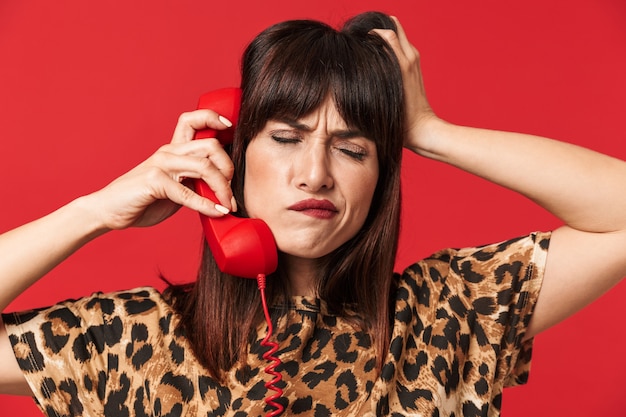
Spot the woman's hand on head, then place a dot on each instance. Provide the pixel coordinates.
(419, 114)
(159, 186)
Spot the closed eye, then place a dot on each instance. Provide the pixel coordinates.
(358, 155)
(283, 139)
(352, 150)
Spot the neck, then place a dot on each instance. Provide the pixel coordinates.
(302, 274)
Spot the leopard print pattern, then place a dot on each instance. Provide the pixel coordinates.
(460, 316)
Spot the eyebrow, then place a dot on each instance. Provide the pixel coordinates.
(340, 133)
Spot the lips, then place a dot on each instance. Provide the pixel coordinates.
(322, 209)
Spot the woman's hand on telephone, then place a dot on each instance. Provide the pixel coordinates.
(156, 188)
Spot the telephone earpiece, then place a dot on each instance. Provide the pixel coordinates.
(241, 246)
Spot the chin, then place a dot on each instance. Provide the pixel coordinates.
(304, 254)
(310, 251)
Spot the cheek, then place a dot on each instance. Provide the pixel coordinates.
(362, 189)
(366, 201)
(251, 178)
(366, 184)
(259, 181)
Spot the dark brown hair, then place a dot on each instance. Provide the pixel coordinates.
(288, 71)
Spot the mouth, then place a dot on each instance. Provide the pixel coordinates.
(321, 209)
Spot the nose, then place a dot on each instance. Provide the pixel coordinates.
(312, 168)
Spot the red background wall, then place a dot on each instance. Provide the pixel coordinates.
(89, 89)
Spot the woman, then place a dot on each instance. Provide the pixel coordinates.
(323, 120)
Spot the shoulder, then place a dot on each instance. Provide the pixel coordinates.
(98, 321)
(138, 301)
(125, 303)
(474, 263)
(492, 274)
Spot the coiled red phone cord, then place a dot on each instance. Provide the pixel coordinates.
(268, 356)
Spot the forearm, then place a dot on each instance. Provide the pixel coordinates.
(583, 188)
(30, 251)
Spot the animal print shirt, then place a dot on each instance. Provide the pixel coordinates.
(460, 317)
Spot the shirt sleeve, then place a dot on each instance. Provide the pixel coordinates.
(69, 353)
(506, 279)
(479, 301)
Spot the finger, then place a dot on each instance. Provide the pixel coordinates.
(190, 122)
(181, 167)
(406, 53)
(401, 35)
(184, 196)
(204, 148)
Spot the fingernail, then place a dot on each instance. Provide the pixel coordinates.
(221, 209)
(226, 122)
(233, 203)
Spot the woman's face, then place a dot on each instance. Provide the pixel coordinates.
(311, 180)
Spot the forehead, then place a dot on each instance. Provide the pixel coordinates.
(325, 118)
(325, 114)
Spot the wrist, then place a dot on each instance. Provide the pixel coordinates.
(426, 137)
(84, 212)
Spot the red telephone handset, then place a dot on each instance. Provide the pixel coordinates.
(242, 247)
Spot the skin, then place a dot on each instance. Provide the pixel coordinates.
(583, 188)
(316, 157)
